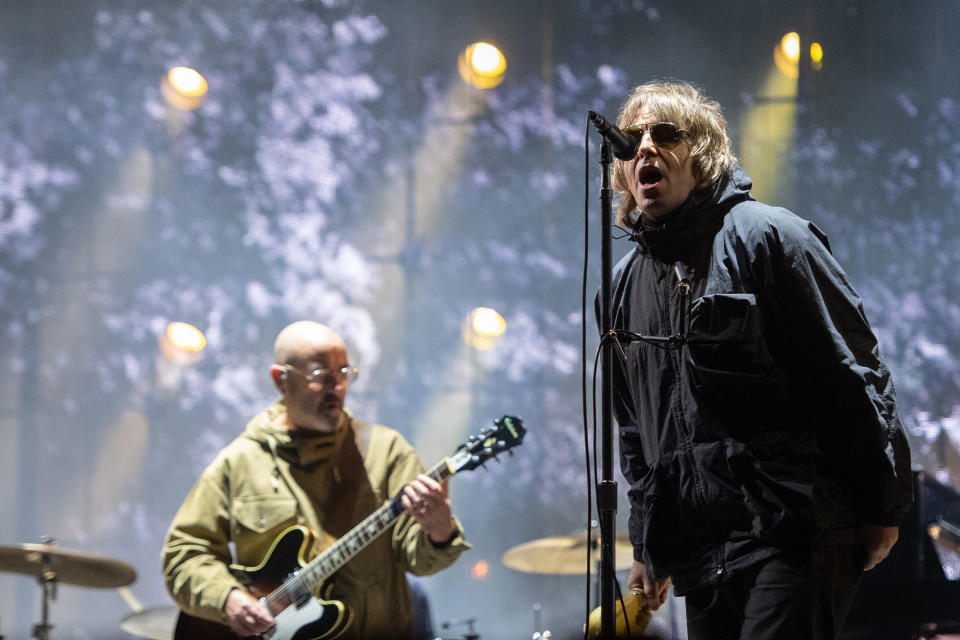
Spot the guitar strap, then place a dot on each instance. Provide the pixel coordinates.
(359, 430)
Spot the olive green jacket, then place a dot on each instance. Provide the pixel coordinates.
(269, 479)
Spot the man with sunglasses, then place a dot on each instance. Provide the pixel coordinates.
(765, 456)
(305, 460)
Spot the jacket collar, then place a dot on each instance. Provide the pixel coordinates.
(677, 231)
(300, 447)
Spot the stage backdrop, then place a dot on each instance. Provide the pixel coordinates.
(341, 169)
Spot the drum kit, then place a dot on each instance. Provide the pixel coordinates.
(52, 565)
(573, 555)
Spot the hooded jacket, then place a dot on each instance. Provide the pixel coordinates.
(769, 420)
(269, 479)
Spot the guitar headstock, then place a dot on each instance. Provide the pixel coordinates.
(504, 434)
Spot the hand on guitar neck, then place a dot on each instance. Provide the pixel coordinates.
(246, 615)
(426, 501)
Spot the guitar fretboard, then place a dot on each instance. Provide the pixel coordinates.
(302, 583)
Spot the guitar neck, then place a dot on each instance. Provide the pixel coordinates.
(355, 540)
(507, 432)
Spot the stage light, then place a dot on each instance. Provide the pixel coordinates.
(487, 60)
(184, 88)
(482, 65)
(482, 327)
(487, 322)
(187, 82)
(480, 570)
(786, 55)
(791, 47)
(186, 336)
(182, 343)
(816, 56)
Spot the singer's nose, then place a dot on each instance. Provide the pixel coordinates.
(646, 144)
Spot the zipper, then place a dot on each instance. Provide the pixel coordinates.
(676, 364)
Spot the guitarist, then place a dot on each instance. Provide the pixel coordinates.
(306, 460)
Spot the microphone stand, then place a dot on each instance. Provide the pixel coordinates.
(607, 491)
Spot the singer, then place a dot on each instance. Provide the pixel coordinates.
(765, 456)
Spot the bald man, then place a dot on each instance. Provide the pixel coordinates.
(305, 460)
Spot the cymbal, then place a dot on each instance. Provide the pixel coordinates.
(565, 554)
(156, 623)
(70, 567)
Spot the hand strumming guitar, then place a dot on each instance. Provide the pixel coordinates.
(246, 615)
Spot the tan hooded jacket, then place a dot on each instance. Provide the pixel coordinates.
(269, 479)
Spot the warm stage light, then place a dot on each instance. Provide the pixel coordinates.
(816, 56)
(184, 88)
(486, 322)
(791, 47)
(482, 327)
(182, 343)
(187, 82)
(186, 336)
(482, 65)
(786, 55)
(480, 570)
(487, 60)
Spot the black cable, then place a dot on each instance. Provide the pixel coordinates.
(583, 352)
(671, 343)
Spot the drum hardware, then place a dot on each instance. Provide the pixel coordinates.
(471, 633)
(155, 623)
(537, 633)
(567, 555)
(48, 585)
(51, 565)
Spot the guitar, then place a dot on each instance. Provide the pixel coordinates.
(285, 581)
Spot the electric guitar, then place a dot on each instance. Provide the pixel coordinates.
(285, 581)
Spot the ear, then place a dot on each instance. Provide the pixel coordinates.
(279, 376)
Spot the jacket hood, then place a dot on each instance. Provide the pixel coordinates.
(300, 447)
(679, 229)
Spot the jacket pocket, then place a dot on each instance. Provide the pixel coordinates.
(260, 514)
(729, 362)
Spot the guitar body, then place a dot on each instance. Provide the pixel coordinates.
(314, 619)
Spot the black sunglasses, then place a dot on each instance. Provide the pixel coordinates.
(663, 134)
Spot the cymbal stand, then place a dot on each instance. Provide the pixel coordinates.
(48, 583)
(468, 622)
(537, 633)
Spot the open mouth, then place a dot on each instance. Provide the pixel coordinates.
(650, 176)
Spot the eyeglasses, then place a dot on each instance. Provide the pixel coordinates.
(327, 376)
(663, 134)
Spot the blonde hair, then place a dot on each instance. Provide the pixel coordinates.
(701, 119)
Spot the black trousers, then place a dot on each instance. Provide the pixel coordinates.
(793, 595)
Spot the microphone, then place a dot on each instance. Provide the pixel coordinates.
(623, 146)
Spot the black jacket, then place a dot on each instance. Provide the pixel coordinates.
(774, 422)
